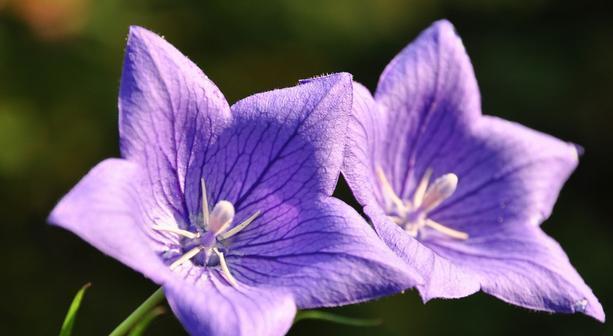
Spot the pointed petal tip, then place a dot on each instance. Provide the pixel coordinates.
(443, 28)
(594, 310)
(578, 149)
(138, 31)
(442, 25)
(52, 219)
(338, 77)
(140, 35)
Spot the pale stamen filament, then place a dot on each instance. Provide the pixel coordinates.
(214, 224)
(396, 220)
(446, 230)
(426, 198)
(186, 257)
(183, 233)
(412, 231)
(205, 206)
(239, 227)
(420, 191)
(224, 268)
(388, 191)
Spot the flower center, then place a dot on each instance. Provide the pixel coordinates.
(213, 230)
(412, 215)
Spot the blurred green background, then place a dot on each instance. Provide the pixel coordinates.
(546, 64)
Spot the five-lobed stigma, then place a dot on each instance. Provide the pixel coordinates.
(412, 216)
(212, 229)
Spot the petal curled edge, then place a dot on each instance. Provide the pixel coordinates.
(428, 91)
(169, 115)
(208, 305)
(323, 252)
(103, 209)
(366, 134)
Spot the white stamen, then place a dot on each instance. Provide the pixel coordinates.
(184, 258)
(397, 220)
(388, 191)
(439, 191)
(448, 231)
(184, 233)
(224, 268)
(413, 217)
(239, 227)
(420, 191)
(205, 206)
(221, 216)
(412, 230)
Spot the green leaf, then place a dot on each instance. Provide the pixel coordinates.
(142, 325)
(325, 316)
(72, 311)
(139, 313)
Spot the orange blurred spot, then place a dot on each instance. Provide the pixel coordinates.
(52, 19)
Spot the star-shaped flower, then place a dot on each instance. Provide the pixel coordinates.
(230, 209)
(456, 194)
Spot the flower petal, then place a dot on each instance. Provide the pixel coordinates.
(429, 91)
(170, 113)
(281, 157)
(210, 306)
(442, 278)
(104, 209)
(509, 179)
(509, 175)
(285, 142)
(523, 266)
(322, 251)
(364, 148)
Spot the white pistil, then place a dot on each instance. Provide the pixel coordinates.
(221, 217)
(184, 233)
(442, 188)
(224, 268)
(205, 206)
(239, 227)
(184, 258)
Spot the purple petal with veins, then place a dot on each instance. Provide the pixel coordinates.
(461, 196)
(230, 209)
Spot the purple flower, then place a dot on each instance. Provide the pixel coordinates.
(458, 195)
(229, 208)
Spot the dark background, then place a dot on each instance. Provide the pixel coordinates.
(546, 64)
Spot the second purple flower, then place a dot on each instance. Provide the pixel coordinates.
(458, 195)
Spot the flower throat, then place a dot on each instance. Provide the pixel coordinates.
(205, 243)
(412, 215)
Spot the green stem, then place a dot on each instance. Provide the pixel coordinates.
(325, 316)
(139, 313)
